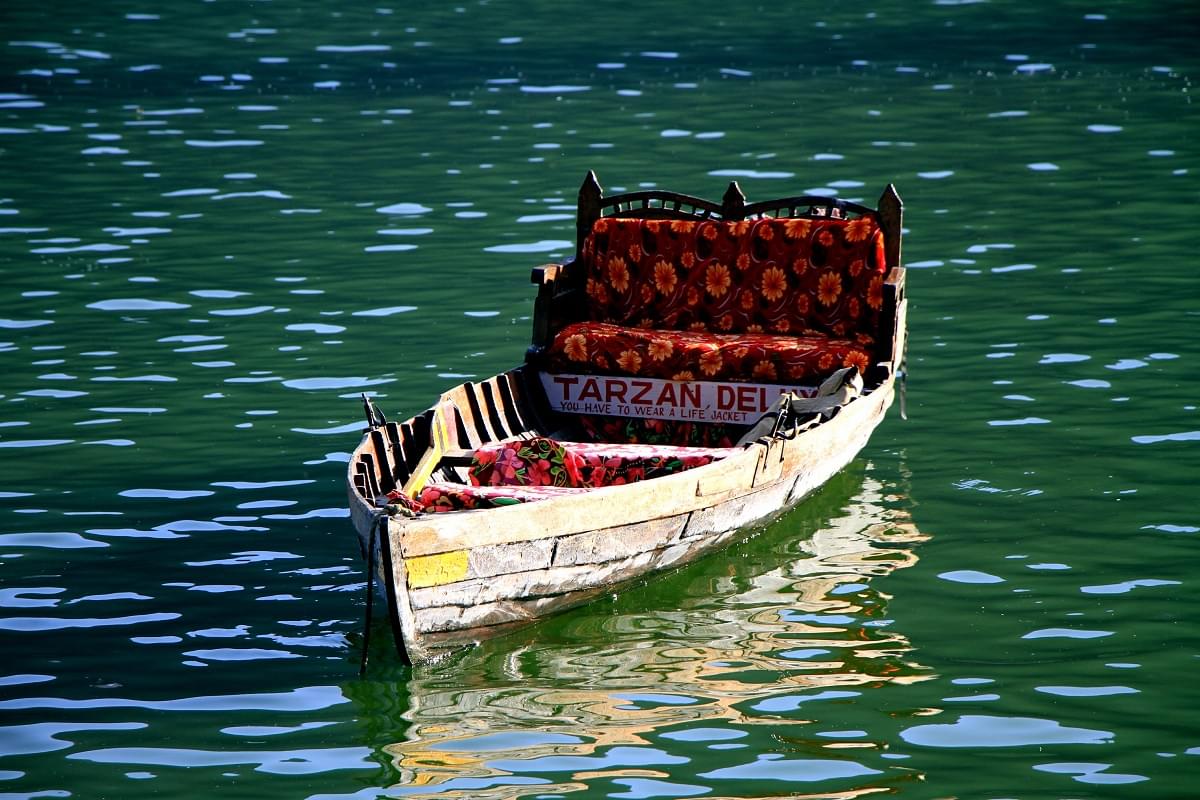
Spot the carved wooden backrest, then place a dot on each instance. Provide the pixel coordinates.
(645, 204)
(662, 204)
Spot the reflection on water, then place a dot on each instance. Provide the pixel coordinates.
(790, 620)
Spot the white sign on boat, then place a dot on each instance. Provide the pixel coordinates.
(656, 398)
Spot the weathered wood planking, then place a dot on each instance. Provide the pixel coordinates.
(509, 583)
(451, 580)
(667, 496)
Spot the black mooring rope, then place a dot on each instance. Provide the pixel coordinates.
(371, 537)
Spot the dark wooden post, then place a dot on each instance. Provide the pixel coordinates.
(891, 221)
(590, 198)
(733, 204)
(892, 319)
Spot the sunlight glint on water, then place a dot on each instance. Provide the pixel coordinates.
(218, 226)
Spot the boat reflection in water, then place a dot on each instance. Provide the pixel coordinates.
(731, 648)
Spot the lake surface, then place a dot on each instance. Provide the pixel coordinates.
(221, 222)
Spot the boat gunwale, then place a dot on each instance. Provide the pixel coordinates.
(429, 534)
(723, 518)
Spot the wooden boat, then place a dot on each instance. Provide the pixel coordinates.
(696, 367)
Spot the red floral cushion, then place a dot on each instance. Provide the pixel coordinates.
(506, 473)
(440, 497)
(781, 276)
(526, 462)
(615, 464)
(601, 428)
(605, 348)
(539, 469)
(542, 462)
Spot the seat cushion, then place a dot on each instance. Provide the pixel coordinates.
(537, 469)
(440, 497)
(525, 462)
(605, 348)
(542, 462)
(652, 430)
(616, 464)
(774, 275)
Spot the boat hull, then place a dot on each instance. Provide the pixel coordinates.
(455, 579)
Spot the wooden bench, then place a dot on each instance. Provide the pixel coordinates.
(678, 323)
(674, 291)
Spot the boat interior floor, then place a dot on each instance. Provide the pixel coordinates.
(538, 467)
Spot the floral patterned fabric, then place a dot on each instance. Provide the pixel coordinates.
(540, 468)
(767, 300)
(546, 462)
(525, 462)
(781, 276)
(614, 464)
(441, 497)
(605, 348)
(636, 430)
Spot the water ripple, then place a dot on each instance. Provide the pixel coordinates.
(43, 737)
(36, 624)
(315, 384)
(1065, 633)
(1125, 586)
(1184, 436)
(305, 698)
(970, 576)
(278, 762)
(1090, 773)
(165, 494)
(136, 304)
(1086, 691)
(404, 209)
(773, 766)
(22, 443)
(217, 143)
(240, 654)
(975, 730)
(541, 246)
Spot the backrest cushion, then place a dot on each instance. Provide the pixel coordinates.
(767, 275)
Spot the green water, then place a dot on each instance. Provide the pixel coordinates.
(220, 222)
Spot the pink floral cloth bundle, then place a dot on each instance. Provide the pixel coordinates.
(546, 462)
(527, 470)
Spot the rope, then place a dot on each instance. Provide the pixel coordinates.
(790, 415)
(376, 523)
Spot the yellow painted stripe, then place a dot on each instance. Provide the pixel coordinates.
(436, 570)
